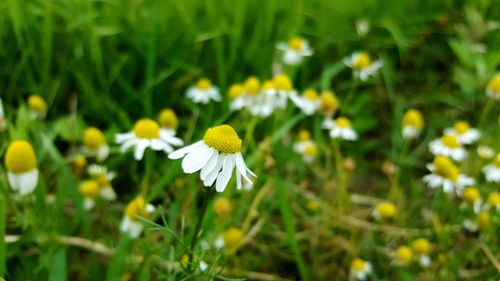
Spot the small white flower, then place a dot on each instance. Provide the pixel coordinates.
(446, 175)
(485, 152)
(217, 155)
(103, 178)
(94, 144)
(203, 92)
(360, 269)
(307, 149)
(203, 266)
(147, 133)
(340, 128)
(424, 261)
(362, 27)
(22, 172)
(295, 50)
(492, 171)
(130, 224)
(362, 65)
(493, 87)
(412, 124)
(464, 133)
(309, 102)
(449, 146)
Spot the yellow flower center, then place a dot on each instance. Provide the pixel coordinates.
(203, 84)
(223, 139)
(222, 207)
(168, 119)
(386, 210)
(329, 102)
(343, 122)
(296, 43)
(37, 104)
(497, 160)
(483, 220)
(494, 84)
(494, 199)
(102, 180)
(147, 129)
(362, 61)
(450, 141)
(136, 208)
(252, 85)
(235, 91)
(304, 135)
(232, 237)
(89, 188)
(20, 157)
(413, 118)
(404, 254)
(471, 194)
(311, 150)
(79, 162)
(283, 82)
(445, 168)
(93, 138)
(421, 246)
(311, 94)
(358, 264)
(268, 85)
(461, 127)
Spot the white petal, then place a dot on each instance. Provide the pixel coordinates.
(212, 175)
(185, 150)
(196, 159)
(121, 138)
(102, 152)
(27, 182)
(157, 144)
(225, 174)
(128, 144)
(209, 166)
(139, 149)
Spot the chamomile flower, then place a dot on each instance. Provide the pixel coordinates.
(203, 92)
(264, 103)
(445, 174)
(90, 191)
(362, 65)
(38, 106)
(130, 224)
(481, 222)
(412, 124)
(305, 147)
(485, 152)
(20, 162)
(472, 199)
(3, 121)
(295, 50)
(360, 269)
(309, 102)
(493, 201)
(340, 128)
(216, 156)
(384, 211)
(422, 249)
(103, 177)
(402, 256)
(329, 104)
(79, 164)
(232, 237)
(463, 131)
(147, 133)
(94, 143)
(167, 119)
(448, 145)
(284, 89)
(237, 97)
(493, 87)
(222, 207)
(492, 171)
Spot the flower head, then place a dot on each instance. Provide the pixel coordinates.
(37, 105)
(445, 174)
(329, 103)
(362, 65)
(232, 237)
(295, 50)
(403, 255)
(90, 191)
(95, 143)
(168, 119)
(422, 249)
(492, 171)
(493, 87)
(135, 209)
(147, 133)
(412, 124)
(203, 92)
(448, 145)
(237, 96)
(217, 155)
(222, 207)
(103, 177)
(384, 211)
(340, 128)
(472, 198)
(493, 201)
(360, 269)
(20, 162)
(464, 133)
(309, 102)
(485, 152)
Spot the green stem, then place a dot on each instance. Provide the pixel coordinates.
(148, 171)
(199, 223)
(342, 195)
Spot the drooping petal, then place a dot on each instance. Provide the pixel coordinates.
(185, 150)
(196, 159)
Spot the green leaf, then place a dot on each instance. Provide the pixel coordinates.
(58, 267)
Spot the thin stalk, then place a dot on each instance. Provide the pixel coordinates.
(148, 172)
(199, 223)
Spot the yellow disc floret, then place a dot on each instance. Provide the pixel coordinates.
(203, 84)
(296, 43)
(461, 127)
(283, 82)
(494, 84)
(89, 189)
(222, 207)
(311, 94)
(304, 135)
(471, 194)
(329, 103)
(37, 104)
(361, 61)
(343, 122)
(235, 91)
(483, 220)
(311, 150)
(252, 85)
(20, 157)
(93, 138)
(403, 254)
(147, 129)
(223, 139)
(136, 208)
(413, 118)
(232, 237)
(445, 168)
(421, 246)
(268, 85)
(358, 264)
(493, 199)
(450, 140)
(168, 119)
(386, 210)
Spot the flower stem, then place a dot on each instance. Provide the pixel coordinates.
(148, 170)
(342, 195)
(197, 228)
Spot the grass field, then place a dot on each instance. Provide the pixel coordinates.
(372, 129)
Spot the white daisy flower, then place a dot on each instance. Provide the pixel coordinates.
(493, 87)
(237, 97)
(130, 224)
(328, 104)
(482, 221)
(492, 171)
(464, 133)
(168, 119)
(412, 124)
(90, 190)
(295, 50)
(309, 102)
(101, 175)
(493, 201)
(147, 133)
(284, 90)
(360, 269)
(216, 156)
(485, 152)
(340, 128)
(203, 266)
(94, 144)
(422, 249)
(38, 106)
(264, 103)
(203, 92)
(449, 146)
(472, 199)
(362, 65)
(22, 172)
(384, 211)
(446, 175)
(402, 256)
